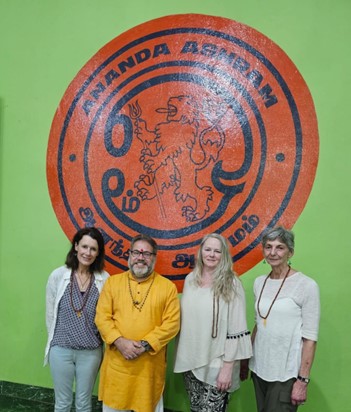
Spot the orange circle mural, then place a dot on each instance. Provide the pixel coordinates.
(183, 126)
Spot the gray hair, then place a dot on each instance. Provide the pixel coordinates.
(283, 235)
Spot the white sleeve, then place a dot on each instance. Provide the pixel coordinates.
(51, 293)
(238, 341)
(310, 311)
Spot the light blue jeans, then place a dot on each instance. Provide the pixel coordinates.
(69, 365)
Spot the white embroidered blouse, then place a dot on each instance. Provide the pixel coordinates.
(197, 350)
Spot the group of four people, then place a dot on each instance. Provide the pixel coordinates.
(137, 313)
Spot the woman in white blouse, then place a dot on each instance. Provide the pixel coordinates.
(74, 346)
(214, 335)
(285, 335)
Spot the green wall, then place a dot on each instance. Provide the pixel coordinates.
(43, 44)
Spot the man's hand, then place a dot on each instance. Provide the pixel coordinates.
(130, 349)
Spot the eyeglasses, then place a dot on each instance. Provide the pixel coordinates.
(137, 253)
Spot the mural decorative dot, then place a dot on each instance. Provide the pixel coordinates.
(179, 127)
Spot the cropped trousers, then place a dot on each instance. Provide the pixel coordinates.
(204, 397)
(273, 396)
(74, 368)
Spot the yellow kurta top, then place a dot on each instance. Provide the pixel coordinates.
(136, 384)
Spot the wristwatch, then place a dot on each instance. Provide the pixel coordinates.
(146, 345)
(303, 379)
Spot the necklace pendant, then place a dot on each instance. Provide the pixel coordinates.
(79, 313)
(264, 322)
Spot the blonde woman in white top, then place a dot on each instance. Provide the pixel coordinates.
(214, 335)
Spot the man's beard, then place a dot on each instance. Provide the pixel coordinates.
(141, 272)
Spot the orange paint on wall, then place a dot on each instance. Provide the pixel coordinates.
(183, 126)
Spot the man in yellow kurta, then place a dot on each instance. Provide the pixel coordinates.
(137, 315)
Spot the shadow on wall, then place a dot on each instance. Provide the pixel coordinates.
(243, 399)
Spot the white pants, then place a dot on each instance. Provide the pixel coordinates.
(159, 408)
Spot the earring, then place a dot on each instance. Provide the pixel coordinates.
(264, 261)
(289, 262)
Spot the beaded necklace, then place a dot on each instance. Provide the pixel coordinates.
(139, 305)
(83, 299)
(215, 316)
(275, 297)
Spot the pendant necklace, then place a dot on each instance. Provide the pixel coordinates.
(85, 297)
(81, 285)
(275, 297)
(139, 305)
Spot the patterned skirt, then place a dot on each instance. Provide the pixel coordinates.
(204, 397)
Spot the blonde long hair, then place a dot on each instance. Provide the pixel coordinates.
(224, 278)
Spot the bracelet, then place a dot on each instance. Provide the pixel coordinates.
(303, 379)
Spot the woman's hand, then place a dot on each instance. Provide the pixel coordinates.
(299, 390)
(299, 393)
(244, 369)
(224, 378)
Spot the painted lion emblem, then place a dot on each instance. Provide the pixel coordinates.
(173, 154)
